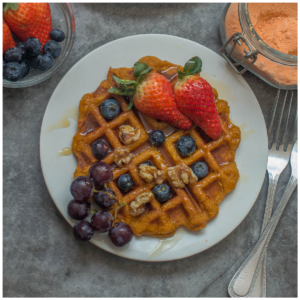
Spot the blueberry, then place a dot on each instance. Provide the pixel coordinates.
(186, 146)
(35, 61)
(110, 108)
(148, 163)
(13, 55)
(200, 169)
(12, 71)
(22, 47)
(157, 138)
(46, 62)
(100, 148)
(125, 182)
(25, 67)
(162, 192)
(53, 48)
(57, 35)
(33, 46)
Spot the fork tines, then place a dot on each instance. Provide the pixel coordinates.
(283, 134)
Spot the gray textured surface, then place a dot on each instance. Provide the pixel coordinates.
(41, 257)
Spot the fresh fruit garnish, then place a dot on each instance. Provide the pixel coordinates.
(125, 182)
(105, 198)
(29, 20)
(35, 61)
(100, 148)
(152, 94)
(32, 46)
(83, 231)
(45, 62)
(102, 221)
(110, 108)
(12, 71)
(186, 146)
(121, 234)
(162, 192)
(78, 210)
(25, 67)
(195, 98)
(101, 173)
(21, 45)
(157, 138)
(53, 48)
(82, 188)
(8, 40)
(14, 54)
(200, 169)
(57, 35)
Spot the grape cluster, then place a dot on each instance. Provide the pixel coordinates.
(82, 188)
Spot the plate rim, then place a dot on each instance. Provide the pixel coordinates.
(111, 250)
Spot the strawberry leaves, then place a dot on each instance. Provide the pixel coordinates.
(127, 87)
(13, 6)
(192, 67)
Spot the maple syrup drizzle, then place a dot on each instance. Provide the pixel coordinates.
(166, 244)
(64, 152)
(72, 113)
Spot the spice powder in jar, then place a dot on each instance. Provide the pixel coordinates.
(276, 25)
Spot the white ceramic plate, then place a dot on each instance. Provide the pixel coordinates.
(251, 156)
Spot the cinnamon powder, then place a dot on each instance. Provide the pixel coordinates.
(276, 24)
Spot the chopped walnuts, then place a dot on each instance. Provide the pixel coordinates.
(122, 156)
(151, 174)
(128, 134)
(181, 175)
(138, 204)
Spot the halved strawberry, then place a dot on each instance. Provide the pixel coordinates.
(195, 98)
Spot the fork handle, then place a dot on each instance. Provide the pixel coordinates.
(260, 287)
(245, 278)
(253, 263)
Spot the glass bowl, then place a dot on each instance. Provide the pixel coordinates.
(63, 19)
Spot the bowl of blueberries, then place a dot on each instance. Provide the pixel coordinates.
(29, 63)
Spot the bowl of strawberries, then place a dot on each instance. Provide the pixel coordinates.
(37, 39)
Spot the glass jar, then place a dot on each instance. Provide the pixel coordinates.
(242, 46)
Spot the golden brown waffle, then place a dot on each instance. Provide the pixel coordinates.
(192, 206)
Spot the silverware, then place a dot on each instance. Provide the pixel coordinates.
(259, 251)
(278, 157)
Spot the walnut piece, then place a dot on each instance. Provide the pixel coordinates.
(138, 204)
(181, 175)
(151, 174)
(128, 134)
(122, 156)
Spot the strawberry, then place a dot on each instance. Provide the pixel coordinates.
(195, 98)
(29, 20)
(8, 40)
(153, 95)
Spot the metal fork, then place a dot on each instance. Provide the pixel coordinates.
(258, 253)
(278, 158)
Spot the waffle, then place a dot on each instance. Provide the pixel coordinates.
(192, 206)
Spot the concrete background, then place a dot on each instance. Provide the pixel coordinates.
(41, 257)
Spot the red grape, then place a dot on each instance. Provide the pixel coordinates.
(102, 221)
(83, 231)
(121, 234)
(78, 210)
(104, 198)
(82, 188)
(101, 173)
